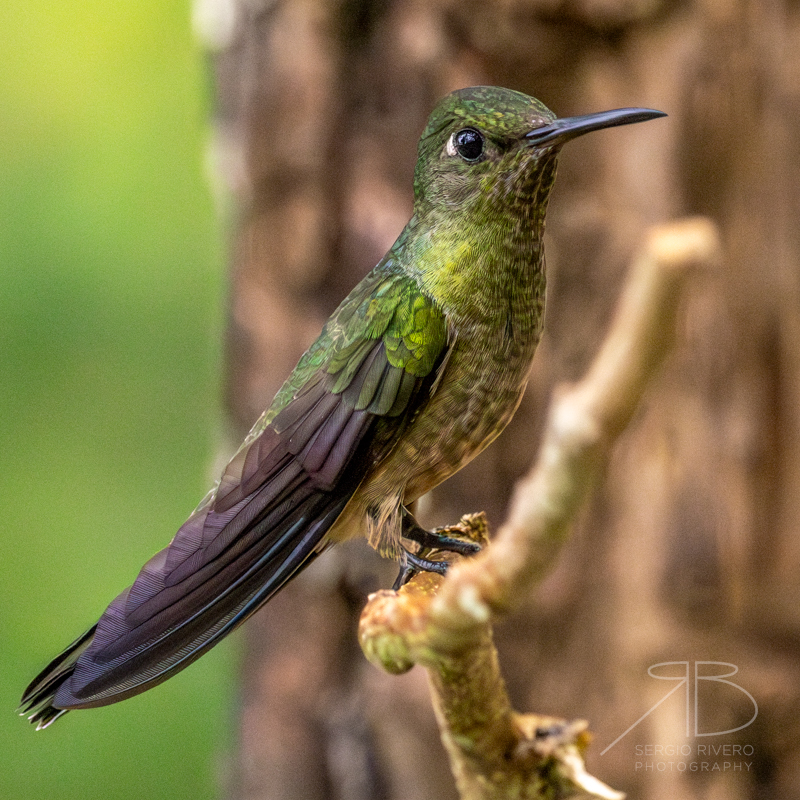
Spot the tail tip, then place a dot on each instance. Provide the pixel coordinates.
(42, 717)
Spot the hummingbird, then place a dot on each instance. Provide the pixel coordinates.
(420, 368)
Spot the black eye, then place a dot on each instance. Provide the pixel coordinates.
(469, 144)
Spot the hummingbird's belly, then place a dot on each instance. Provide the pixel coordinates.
(474, 401)
(453, 431)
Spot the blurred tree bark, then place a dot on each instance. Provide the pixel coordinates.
(690, 551)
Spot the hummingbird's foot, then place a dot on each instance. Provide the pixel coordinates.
(436, 540)
(411, 564)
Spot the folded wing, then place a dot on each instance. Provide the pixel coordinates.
(269, 514)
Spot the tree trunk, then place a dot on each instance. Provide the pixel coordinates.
(690, 551)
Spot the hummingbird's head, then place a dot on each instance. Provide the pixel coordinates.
(492, 149)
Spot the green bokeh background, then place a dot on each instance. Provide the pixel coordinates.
(110, 285)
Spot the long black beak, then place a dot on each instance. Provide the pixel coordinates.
(562, 130)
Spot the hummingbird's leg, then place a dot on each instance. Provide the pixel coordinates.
(434, 539)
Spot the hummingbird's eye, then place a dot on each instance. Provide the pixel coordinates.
(468, 143)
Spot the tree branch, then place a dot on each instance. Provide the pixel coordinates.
(445, 624)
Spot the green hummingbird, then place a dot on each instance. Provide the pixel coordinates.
(421, 366)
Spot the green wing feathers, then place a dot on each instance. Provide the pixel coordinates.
(387, 307)
(373, 356)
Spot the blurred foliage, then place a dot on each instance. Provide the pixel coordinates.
(110, 277)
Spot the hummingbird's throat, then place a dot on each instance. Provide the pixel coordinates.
(521, 189)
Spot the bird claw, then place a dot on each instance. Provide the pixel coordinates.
(411, 563)
(436, 539)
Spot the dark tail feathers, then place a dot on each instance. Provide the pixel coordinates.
(37, 701)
